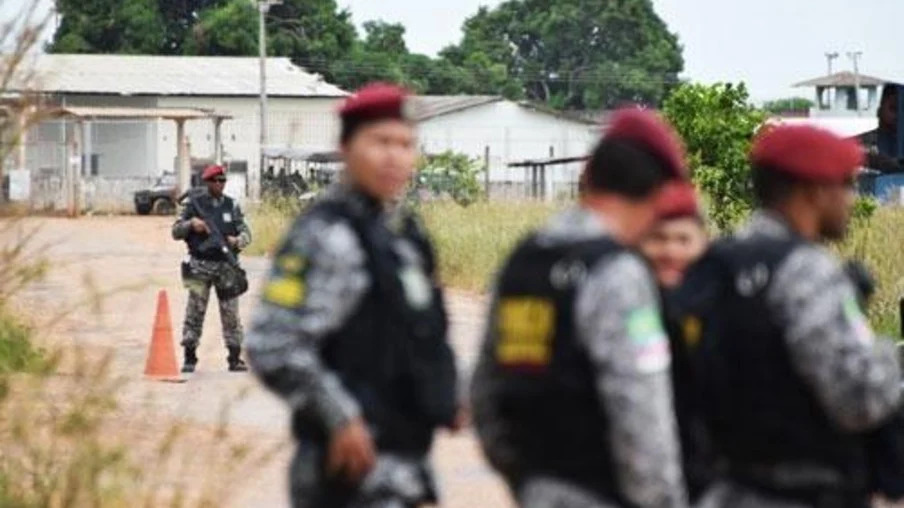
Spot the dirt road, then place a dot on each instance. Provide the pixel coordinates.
(134, 257)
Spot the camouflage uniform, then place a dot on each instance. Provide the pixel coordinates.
(632, 381)
(284, 350)
(853, 374)
(207, 274)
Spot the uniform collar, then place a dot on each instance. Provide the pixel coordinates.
(575, 224)
(769, 224)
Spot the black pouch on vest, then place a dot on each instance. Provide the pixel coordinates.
(232, 284)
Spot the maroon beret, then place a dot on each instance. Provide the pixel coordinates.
(808, 153)
(212, 171)
(376, 101)
(678, 200)
(653, 133)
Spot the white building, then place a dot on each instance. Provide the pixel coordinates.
(132, 152)
(500, 132)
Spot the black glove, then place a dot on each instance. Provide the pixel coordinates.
(863, 281)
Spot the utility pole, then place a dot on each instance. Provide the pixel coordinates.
(830, 56)
(263, 6)
(855, 56)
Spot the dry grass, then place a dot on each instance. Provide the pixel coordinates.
(472, 242)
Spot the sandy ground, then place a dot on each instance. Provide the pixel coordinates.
(133, 258)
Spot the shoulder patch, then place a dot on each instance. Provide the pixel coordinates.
(285, 291)
(855, 317)
(651, 347)
(291, 264)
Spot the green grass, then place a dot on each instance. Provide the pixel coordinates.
(17, 352)
(472, 242)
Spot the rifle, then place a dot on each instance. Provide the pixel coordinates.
(234, 283)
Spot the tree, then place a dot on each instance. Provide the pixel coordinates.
(99, 26)
(314, 33)
(180, 18)
(718, 125)
(577, 54)
(231, 29)
(786, 105)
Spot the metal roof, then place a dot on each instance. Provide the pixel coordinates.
(846, 127)
(175, 75)
(844, 78)
(432, 106)
(136, 113)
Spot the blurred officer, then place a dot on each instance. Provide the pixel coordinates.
(679, 237)
(352, 329)
(676, 242)
(209, 265)
(571, 395)
(790, 374)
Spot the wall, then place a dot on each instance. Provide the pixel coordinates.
(299, 122)
(512, 133)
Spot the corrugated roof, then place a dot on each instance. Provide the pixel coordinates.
(176, 75)
(136, 113)
(844, 78)
(432, 106)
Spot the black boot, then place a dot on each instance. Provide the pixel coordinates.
(235, 360)
(191, 360)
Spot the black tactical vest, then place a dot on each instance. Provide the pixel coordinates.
(761, 414)
(391, 356)
(201, 246)
(543, 383)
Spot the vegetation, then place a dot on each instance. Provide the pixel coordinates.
(523, 49)
(450, 174)
(718, 125)
(786, 105)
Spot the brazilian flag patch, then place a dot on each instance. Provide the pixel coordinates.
(285, 291)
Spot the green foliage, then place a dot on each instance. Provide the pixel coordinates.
(452, 174)
(100, 26)
(789, 104)
(572, 54)
(718, 125)
(17, 352)
(864, 209)
(575, 54)
(230, 29)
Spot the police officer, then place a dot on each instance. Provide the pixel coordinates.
(676, 242)
(351, 331)
(789, 372)
(208, 266)
(571, 396)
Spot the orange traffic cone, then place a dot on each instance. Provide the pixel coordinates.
(161, 363)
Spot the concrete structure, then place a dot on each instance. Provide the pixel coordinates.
(835, 94)
(135, 151)
(500, 132)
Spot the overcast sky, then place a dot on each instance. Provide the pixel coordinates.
(770, 44)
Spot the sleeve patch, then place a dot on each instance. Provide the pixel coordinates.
(855, 317)
(285, 292)
(651, 348)
(526, 327)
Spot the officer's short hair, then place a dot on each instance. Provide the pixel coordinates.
(772, 187)
(622, 167)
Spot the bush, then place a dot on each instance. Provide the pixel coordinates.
(452, 174)
(718, 125)
(17, 353)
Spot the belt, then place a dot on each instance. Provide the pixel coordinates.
(811, 484)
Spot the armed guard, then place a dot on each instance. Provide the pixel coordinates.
(572, 397)
(789, 373)
(214, 228)
(351, 330)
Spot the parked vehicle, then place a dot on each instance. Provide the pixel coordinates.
(161, 198)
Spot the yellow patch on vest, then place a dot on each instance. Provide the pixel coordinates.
(285, 292)
(692, 330)
(526, 326)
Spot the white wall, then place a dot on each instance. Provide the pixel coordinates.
(299, 122)
(512, 133)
